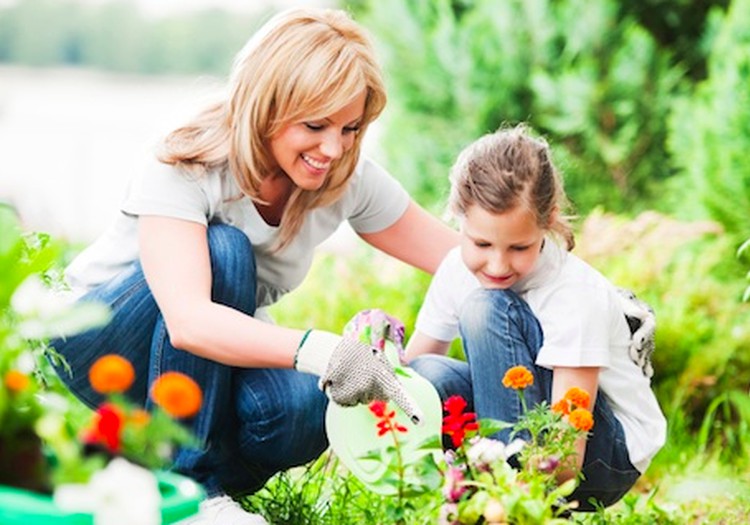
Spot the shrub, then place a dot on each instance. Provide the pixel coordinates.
(710, 128)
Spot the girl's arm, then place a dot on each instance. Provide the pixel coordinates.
(417, 238)
(175, 259)
(420, 343)
(564, 378)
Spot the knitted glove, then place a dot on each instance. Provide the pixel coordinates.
(352, 372)
(642, 322)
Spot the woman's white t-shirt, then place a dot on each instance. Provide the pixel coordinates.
(583, 326)
(372, 201)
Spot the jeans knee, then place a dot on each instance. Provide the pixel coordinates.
(282, 418)
(233, 267)
(483, 307)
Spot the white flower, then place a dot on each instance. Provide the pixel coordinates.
(485, 451)
(121, 494)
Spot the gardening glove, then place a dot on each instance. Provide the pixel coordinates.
(642, 323)
(352, 372)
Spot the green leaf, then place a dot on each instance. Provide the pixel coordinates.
(488, 426)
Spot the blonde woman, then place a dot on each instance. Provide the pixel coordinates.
(224, 225)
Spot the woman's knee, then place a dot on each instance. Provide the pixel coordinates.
(233, 267)
(281, 416)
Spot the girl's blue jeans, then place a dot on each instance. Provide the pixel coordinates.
(499, 331)
(254, 422)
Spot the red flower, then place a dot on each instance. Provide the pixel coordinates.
(106, 427)
(386, 420)
(458, 423)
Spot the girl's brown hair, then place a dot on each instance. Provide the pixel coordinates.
(510, 168)
(303, 64)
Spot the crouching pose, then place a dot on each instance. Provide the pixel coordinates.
(517, 296)
(224, 224)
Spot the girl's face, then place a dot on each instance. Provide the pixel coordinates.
(500, 248)
(305, 150)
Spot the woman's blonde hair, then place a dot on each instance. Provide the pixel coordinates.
(510, 168)
(303, 64)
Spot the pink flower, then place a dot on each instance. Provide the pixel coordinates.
(453, 489)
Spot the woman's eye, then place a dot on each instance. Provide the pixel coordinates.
(520, 248)
(479, 244)
(313, 126)
(351, 130)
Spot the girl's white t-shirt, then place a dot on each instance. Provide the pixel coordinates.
(373, 200)
(583, 326)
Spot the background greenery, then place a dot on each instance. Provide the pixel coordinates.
(647, 107)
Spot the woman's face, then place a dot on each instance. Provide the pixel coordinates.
(305, 150)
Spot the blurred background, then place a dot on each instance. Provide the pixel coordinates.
(646, 105)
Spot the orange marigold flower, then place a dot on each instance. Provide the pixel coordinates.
(111, 374)
(140, 417)
(518, 378)
(578, 397)
(562, 407)
(581, 419)
(177, 394)
(16, 381)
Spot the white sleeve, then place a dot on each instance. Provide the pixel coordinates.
(576, 325)
(439, 314)
(165, 191)
(379, 199)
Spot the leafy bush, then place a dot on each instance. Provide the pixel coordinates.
(591, 80)
(710, 128)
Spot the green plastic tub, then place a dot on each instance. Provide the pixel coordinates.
(180, 499)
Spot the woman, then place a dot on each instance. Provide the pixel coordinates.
(224, 226)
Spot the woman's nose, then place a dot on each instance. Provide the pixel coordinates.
(332, 145)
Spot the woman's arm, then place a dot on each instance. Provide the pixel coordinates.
(564, 378)
(420, 343)
(417, 238)
(175, 259)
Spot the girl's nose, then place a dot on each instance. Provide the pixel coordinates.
(496, 264)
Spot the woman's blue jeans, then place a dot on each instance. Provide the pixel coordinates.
(499, 331)
(254, 422)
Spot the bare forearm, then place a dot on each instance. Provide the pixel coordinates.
(226, 335)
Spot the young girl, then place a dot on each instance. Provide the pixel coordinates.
(225, 225)
(517, 296)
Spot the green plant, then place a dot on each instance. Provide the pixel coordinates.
(744, 250)
(709, 130)
(583, 73)
(30, 313)
(481, 486)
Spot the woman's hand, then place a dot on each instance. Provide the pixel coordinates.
(352, 372)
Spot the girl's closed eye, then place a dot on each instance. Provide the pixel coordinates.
(351, 130)
(313, 126)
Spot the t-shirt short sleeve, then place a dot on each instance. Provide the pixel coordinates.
(380, 200)
(438, 317)
(577, 328)
(164, 190)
